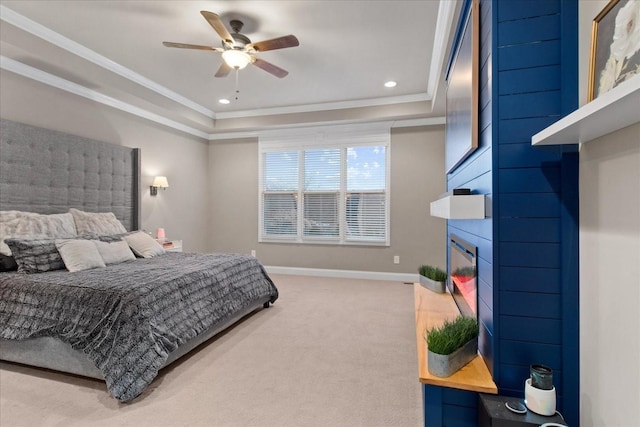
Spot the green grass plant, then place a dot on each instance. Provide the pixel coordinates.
(451, 335)
(433, 273)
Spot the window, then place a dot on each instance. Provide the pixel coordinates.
(325, 187)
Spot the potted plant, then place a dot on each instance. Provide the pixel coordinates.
(433, 278)
(452, 345)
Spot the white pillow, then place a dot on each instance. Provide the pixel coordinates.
(101, 223)
(143, 245)
(114, 252)
(29, 225)
(79, 255)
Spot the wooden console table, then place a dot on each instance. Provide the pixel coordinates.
(433, 309)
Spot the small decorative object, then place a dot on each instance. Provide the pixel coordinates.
(615, 46)
(160, 234)
(539, 392)
(432, 278)
(451, 346)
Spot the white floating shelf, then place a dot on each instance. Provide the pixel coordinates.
(611, 111)
(459, 207)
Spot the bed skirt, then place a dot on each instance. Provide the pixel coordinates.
(52, 353)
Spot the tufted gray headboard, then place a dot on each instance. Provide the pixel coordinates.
(46, 171)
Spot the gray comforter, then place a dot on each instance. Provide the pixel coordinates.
(128, 317)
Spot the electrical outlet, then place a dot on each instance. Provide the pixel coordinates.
(253, 252)
(396, 259)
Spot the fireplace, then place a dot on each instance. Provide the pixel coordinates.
(463, 277)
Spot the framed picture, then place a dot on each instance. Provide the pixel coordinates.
(615, 46)
(461, 131)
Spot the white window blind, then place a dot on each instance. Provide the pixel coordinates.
(325, 187)
(280, 194)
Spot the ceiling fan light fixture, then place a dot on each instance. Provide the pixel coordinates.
(237, 59)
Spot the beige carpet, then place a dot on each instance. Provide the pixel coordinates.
(330, 352)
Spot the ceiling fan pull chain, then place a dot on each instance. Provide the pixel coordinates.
(237, 78)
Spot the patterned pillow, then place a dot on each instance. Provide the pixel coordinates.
(35, 255)
(29, 225)
(103, 223)
(38, 255)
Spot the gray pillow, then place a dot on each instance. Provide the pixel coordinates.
(35, 255)
(143, 245)
(96, 222)
(114, 237)
(114, 252)
(7, 263)
(38, 255)
(79, 255)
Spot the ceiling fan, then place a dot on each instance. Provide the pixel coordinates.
(237, 50)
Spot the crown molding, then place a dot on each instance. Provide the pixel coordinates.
(39, 30)
(60, 83)
(327, 106)
(444, 22)
(256, 133)
(36, 74)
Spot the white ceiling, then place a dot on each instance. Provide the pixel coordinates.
(112, 51)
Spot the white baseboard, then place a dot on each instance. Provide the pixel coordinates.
(344, 274)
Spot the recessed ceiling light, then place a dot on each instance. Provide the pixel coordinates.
(224, 101)
(390, 83)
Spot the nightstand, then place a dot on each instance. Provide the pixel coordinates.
(176, 245)
(492, 412)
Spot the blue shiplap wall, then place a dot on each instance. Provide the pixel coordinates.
(527, 246)
(535, 210)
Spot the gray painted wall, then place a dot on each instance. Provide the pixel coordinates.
(212, 202)
(417, 178)
(181, 209)
(609, 254)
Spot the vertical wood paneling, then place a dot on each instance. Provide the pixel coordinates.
(528, 29)
(519, 155)
(530, 279)
(526, 246)
(520, 130)
(530, 55)
(548, 331)
(526, 80)
(432, 396)
(526, 105)
(530, 314)
(459, 408)
(542, 205)
(528, 8)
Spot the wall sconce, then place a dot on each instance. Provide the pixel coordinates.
(159, 182)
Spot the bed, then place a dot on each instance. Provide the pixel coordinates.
(119, 322)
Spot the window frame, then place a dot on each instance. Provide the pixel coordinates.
(319, 139)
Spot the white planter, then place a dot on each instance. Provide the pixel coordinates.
(432, 285)
(444, 366)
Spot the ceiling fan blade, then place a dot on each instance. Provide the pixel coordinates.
(215, 21)
(277, 43)
(224, 70)
(192, 46)
(270, 68)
